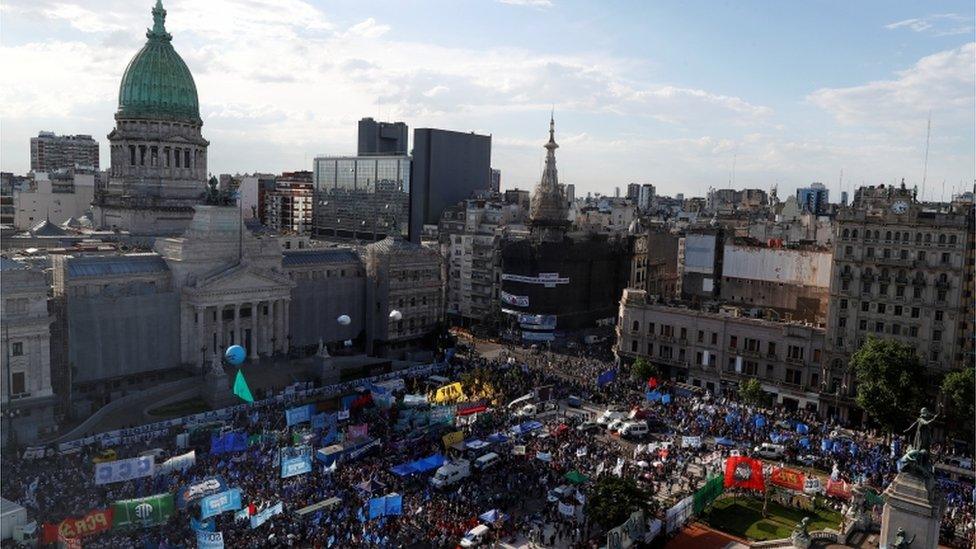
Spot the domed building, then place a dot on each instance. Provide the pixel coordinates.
(159, 157)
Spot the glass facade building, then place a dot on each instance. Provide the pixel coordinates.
(361, 197)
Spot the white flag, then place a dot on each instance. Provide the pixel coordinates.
(619, 468)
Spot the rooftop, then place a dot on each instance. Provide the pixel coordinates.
(115, 265)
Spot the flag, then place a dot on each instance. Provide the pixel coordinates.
(651, 382)
(744, 472)
(606, 377)
(241, 389)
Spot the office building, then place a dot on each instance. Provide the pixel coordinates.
(645, 197)
(383, 138)
(448, 167)
(496, 180)
(50, 152)
(288, 206)
(719, 348)
(362, 198)
(56, 197)
(570, 193)
(813, 199)
(901, 270)
(633, 191)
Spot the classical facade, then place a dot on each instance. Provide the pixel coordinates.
(26, 393)
(232, 289)
(716, 350)
(900, 271)
(158, 168)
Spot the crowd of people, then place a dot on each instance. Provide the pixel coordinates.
(532, 464)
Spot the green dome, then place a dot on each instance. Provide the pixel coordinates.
(157, 83)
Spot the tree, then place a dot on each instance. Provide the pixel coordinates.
(751, 392)
(959, 391)
(643, 370)
(890, 382)
(612, 499)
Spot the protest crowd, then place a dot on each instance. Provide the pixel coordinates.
(353, 469)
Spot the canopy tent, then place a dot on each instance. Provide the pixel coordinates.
(420, 466)
(497, 438)
(370, 486)
(493, 516)
(575, 477)
(476, 444)
(526, 427)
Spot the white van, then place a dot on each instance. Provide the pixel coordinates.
(768, 450)
(449, 473)
(475, 536)
(610, 415)
(486, 461)
(634, 429)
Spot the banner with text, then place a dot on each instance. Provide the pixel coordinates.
(124, 469)
(142, 512)
(178, 463)
(262, 516)
(295, 461)
(228, 500)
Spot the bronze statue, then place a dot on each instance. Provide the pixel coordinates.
(923, 433)
(803, 528)
(900, 542)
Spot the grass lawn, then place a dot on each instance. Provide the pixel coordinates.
(742, 516)
(180, 408)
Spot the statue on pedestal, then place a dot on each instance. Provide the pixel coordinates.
(801, 534)
(917, 460)
(216, 367)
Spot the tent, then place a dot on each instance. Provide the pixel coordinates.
(575, 477)
(420, 466)
(476, 444)
(370, 486)
(497, 438)
(725, 441)
(493, 516)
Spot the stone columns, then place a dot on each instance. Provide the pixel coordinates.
(220, 328)
(201, 313)
(284, 321)
(238, 338)
(254, 331)
(278, 332)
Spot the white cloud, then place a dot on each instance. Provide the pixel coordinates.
(941, 24)
(436, 90)
(942, 82)
(369, 29)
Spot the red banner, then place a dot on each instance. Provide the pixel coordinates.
(471, 408)
(744, 472)
(94, 522)
(651, 382)
(788, 478)
(839, 489)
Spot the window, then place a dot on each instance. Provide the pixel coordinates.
(945, 257)
(771, 349)
(841, 321)
(816, 355)
(814, 380)
(795, 352)
(18, 383)
(714, 338)
(862, 324)
(17, 348)
(883, 289)
(633, 346)
(899, 291)
(903, 254)
(879, 327)
(636, 326)
(650, 328)
(952, 239)
(939, 313)
(794, 376)
(840, 341)
(913, 331)
(733, 342)
(843, 304)
(870, 252)
(921, 255)
(881, 308)
(701, 336)
(752, 344)
(886, 253)
(865, 306)
(684, 333)
(650, 349)
(942, 239)
(915, 312)
(936, 335)
(917, 292)
(940, 295)
(898, 310)
(896, 329)
(934, 356)
(848, 251)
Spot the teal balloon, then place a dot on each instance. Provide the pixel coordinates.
(235, 355)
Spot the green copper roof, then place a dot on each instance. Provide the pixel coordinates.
(157, 84)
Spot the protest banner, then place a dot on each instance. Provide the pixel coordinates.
(142, 512)
(261, 517)
(448, 393)
(210, 540)
(228, 500)
(296, 461)
(299, 414)
(124, 469)
(452, 438)
(787, 478)
(178, 463)
(199, 490)
(95, 522)
(744, 472)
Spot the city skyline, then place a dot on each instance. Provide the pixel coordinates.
(676, 105)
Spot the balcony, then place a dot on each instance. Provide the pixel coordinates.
(794, 360)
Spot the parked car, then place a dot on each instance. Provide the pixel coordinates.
(475, 537)
(634, 429)
(449, 473)
(587, 426)
(769, 450)
(610, 415)
(615, 425)
(105, 456)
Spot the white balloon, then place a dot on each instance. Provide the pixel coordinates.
(396, 315)
(344, 320)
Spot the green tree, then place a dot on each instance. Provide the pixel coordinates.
(612, 499)
(959, 391)
(751, 392)
(890, 382)
(642, 369)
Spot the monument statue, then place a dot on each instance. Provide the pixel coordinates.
(801, 534)
(917, 460)
(900, 542)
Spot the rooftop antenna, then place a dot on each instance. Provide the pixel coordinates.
(925, 164)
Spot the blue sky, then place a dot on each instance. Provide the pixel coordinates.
(663, 92)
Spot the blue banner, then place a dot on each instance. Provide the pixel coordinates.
(231, 442)
(210, 540)
(653, 396)
(229, 500)
(389, 505)
(606, 377)
(666, 399)
(204, 525)
(802, 428)
(124, 469)
(319, 421)
(296, 461)
(198, 490)
(262, 516)
(300, 414)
